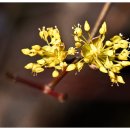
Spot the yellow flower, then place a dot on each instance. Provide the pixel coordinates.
(123, 55)
(125, 63)
(78, 30)
(116, 39)
(25, 51)
(109, 43)
(55, 73)
(33, 52)
(41, 61)
(103, 28)
(37, 68)
(111, 74)
(123, 44)
(78, 44)
(86, 26)
(36, 47)
(76, 38)
(71, 67)
(79, 65)
(103, 69)
(120, 80)
(29, 66)
(43, 34)
(71, 51)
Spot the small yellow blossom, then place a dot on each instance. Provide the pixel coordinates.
(109, 43)
(38, 70)
(71, 67)
(25, 51)
(29, 66)
(111, 74)
(41, 61)
(124, 55)
(77, 44)
(123, 44)
(43, 34)
(86, 26)
(79, 65)
(116, 39)
(78, 30)
(103, 69)
(33, 52)
(55, 73)
(125, 63)
(71, 51)
(120, 80)
(36, 47)
(76, 38)
(103, 28)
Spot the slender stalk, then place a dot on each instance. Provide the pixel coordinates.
(100, 18)
(44, 89)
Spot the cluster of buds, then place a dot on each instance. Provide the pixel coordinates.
(108, 56)
(53, 54)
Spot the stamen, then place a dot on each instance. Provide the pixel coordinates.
(120, 34)
(39, 29)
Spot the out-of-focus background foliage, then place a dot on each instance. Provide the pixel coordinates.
(92, 101)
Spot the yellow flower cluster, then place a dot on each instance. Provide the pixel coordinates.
(53, 54)
(108, 56)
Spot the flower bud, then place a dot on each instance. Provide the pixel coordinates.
(36, 47)
(78, 44)
(103, 28)
(103, 69)
(71, 67)
(29, 66)
(25, 51)
(120, 79)
(86, 26)
(55, 73)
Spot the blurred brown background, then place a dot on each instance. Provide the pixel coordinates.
(92, 101)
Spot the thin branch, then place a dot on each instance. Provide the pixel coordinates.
(44, 89)
(54, 82)
(100, 18)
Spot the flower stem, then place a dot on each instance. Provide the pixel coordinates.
(44, 89)
(100, 18)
